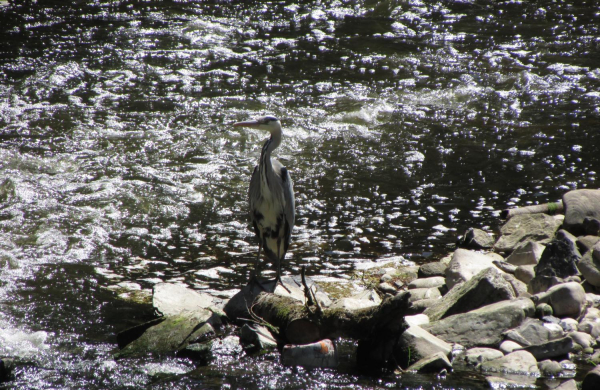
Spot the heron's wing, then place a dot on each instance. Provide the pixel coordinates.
(254, 196)
(290, 203)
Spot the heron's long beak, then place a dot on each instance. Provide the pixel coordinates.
(246, 124)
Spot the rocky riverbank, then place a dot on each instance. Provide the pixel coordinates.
(522, 310)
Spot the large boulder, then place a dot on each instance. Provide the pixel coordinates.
(579, 205)
(465, 264)
(558, 261)
(487, 287)
(415, 343)
(567, 299)
(482, 327)
(526, 227)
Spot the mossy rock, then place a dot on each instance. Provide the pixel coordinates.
(167, 334)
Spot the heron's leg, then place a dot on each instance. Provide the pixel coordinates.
(257, 261)
(278, 265)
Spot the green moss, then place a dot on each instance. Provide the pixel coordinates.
(335, 290)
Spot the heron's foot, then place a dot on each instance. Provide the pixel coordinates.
(253, 281)
(278, 281)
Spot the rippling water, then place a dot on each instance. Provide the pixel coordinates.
(405, 123)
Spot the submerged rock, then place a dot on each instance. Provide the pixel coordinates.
(499, 382)
(7, 366)
(168, 334)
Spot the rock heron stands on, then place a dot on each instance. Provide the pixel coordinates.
(271, 197)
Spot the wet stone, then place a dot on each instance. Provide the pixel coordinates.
(550, 368)
(499, 382)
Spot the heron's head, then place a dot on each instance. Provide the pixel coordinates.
(269, 123)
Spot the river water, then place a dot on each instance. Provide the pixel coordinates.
(405, 123)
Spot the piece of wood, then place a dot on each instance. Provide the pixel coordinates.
(301, 325)
(546, 208)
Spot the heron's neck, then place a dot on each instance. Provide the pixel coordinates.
(271, 144)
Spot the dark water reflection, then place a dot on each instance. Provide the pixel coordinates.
(406, 122)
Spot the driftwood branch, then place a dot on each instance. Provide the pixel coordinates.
(547, 208)
(301, 325)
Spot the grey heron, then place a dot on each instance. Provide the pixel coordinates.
(271, 197)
